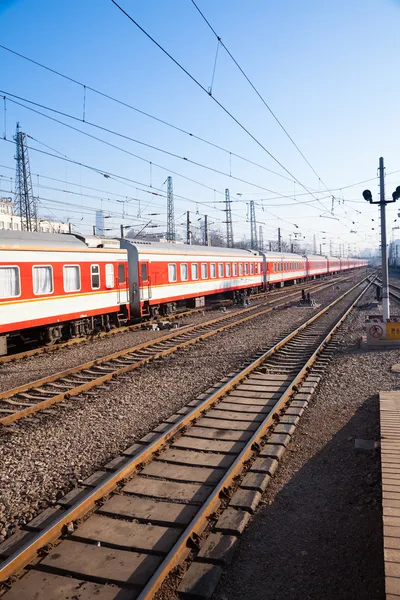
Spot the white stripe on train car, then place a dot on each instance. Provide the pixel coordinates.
(42, 308)
(188, 289)
(21, 256)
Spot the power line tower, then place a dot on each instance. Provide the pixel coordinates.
(188, 229)
(206, 231)
(253, 226)
(229, 228)
(26, 204)
(260, 238)
(170, 211)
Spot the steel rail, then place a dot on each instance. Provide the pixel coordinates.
(19, 559)
(127, 328)
(136, 363)
(180, 550)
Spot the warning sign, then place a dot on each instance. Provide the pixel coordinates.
(381, 333)
(376, 331)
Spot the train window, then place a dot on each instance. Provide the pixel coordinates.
(121, 273)
(213, 270)
(184, 272)
(228, 269)
(220, 269)
(204, 273)
(143, 271)
(42, 280)
(72, 278)
(109, 276)
(234, 269)
(9, 282)
(195, 271)
(240, 268)
(251, 269)
(246, 269)
(95, 275)
(171, 272)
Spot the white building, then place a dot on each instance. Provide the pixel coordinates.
(9, 220)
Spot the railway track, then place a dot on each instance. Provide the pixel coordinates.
(15, 356)
(182, 495)
(39, 395)
(394, 290)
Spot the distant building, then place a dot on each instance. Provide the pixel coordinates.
(9, 220)
(99, 222)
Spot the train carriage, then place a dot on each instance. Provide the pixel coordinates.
(54, 286)
(281, 268)
(333, 264)
(57, 286)
(316, 265)
(163, 275)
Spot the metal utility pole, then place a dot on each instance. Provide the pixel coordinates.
(170, 211)
(260, 238)
(382, 204)
(314, 244)
(320, 249)
(206, 234)
(385, 266)
(25, 202)
(188, 229)
(229, 228)
(279, 240)
(253, 226)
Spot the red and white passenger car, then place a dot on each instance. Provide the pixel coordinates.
(57, 286)
(54, 286)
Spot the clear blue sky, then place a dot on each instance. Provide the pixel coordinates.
(329, 70)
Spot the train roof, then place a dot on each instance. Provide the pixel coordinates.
(144, 246)
(36, 239)
(281, 255)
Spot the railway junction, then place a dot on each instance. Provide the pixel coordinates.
(189, 477)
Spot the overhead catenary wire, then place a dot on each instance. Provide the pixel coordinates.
(184, 70)
(151, 163)
(142, 112)
(109, 175)
(172, 154)
(220, 42)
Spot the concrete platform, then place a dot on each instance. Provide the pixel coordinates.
(390, 458)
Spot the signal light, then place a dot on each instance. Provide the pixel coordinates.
(396, 194)
(367, 195)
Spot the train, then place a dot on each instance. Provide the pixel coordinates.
(59, 286)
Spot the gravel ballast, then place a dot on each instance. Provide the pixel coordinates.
(42, 365)
(44, 456)
(318, 531)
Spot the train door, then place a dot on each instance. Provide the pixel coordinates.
(144, 282)
(122, 297)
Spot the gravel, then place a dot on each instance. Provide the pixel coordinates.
(46, 455)
(42, 365)
(318, 531)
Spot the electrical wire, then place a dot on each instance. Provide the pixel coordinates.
(9, 96)
(144, 113)
(182, 68)
(257, 92)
